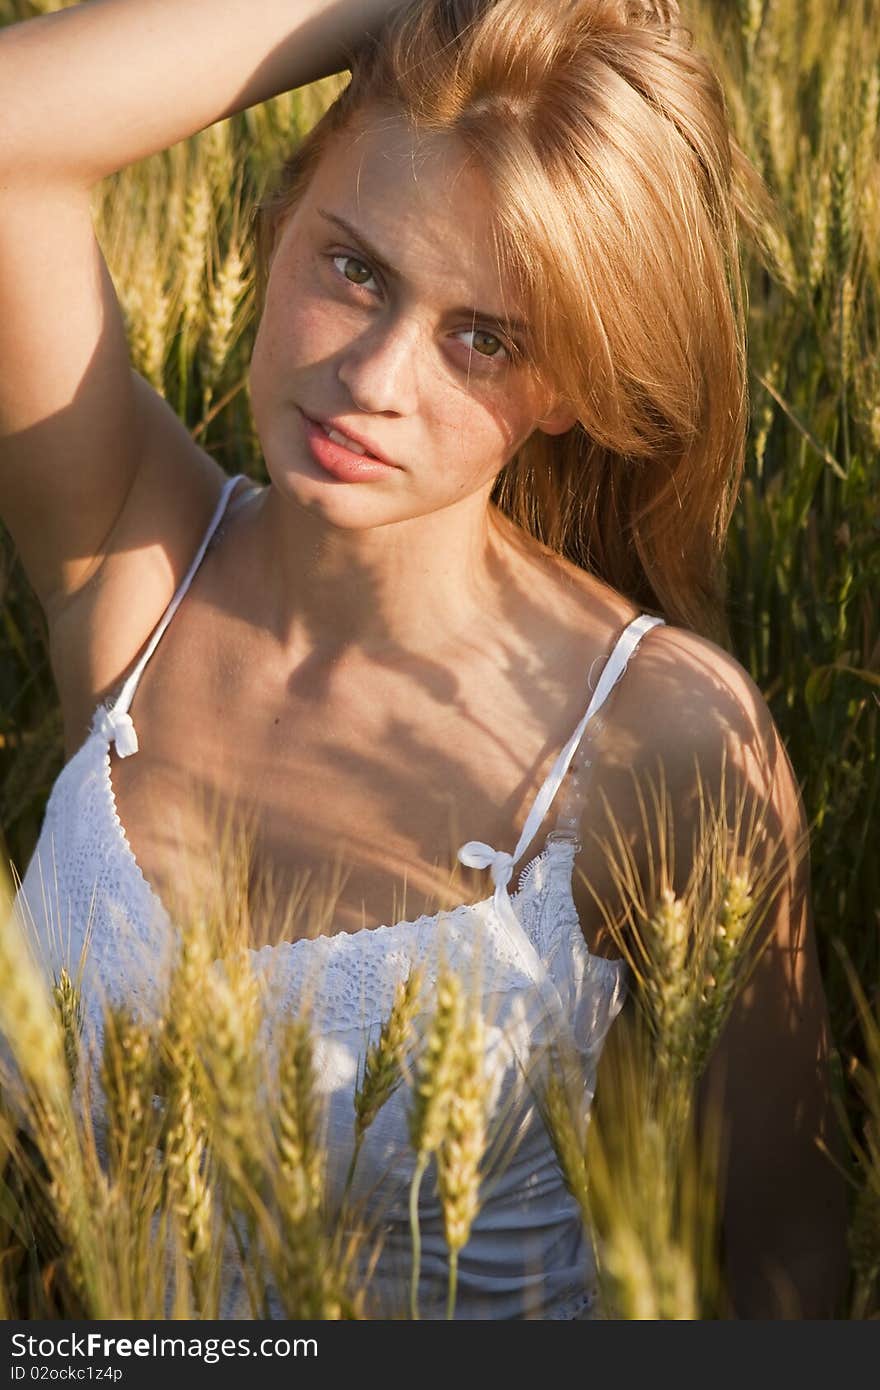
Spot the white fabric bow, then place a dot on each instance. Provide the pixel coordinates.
(478, 855)
(115, 725)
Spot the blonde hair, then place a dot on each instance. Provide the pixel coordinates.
(619, 192)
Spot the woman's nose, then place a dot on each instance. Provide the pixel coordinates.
(379, 368)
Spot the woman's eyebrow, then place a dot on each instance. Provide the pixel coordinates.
(357, 236)
(510, 325)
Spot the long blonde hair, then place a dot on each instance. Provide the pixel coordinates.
(620, 193)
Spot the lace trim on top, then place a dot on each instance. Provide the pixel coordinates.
(350, 975)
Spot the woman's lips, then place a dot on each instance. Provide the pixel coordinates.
(340, 462)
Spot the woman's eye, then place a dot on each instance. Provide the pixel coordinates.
(362, 272)
(487, 344)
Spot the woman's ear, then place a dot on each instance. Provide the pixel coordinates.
(558, 420)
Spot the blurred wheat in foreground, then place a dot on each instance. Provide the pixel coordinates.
(802, 81)
(115, 1206)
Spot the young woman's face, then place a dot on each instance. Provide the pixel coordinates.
(385, 319)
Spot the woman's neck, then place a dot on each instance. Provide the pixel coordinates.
(413, 588)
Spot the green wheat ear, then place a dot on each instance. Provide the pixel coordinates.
(383, 1066)
(68, 1001)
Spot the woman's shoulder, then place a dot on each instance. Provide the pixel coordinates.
(99, 632)
(678, 659)
(698, 694)
(680, 693)
(687, 741)
(684, 707)
(692, 723)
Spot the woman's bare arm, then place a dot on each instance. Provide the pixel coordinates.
(91, 89)
(86, 92)
(784, 1214)
(784, 1200)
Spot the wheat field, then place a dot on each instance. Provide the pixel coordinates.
(802, 79)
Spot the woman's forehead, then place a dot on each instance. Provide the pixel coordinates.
(418, 199)
(386, 143)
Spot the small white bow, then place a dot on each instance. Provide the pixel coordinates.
(478, 855)
(117, 726)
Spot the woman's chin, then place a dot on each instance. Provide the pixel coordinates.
(303, 484)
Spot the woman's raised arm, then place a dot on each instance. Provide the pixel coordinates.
(84, 441)
(91, 89)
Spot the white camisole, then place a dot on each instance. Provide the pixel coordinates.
(528, 1254)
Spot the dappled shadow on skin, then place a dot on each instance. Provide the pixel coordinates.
(458, 742)
(452, 746)
(376, 769)
(467, 739)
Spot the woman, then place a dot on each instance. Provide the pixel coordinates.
(498, 383)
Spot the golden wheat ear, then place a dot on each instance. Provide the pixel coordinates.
(653, 1188)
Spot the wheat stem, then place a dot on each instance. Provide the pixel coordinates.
(415, 1233)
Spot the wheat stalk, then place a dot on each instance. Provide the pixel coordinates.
(461, 1150)
(819, 234)
(384, 1062)
(671, 941)
(866, 140)
(313, 1284)
(843, 202)
(652, 1190)
(29, 1022)
(188, 1187)
(70, 1015)
(751, 15)
(185, 1134)
(428, 1114)
(299, 1151)
(147, 307)
(192, 258)
(128, 1077)
(224, 298)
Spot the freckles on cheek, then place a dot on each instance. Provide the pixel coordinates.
(474, 459)
(481, 437)
(306, 329)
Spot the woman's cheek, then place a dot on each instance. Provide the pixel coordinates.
(480, 455)
(310, 333)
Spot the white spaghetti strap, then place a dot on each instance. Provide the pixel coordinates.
(611, 673)
(115, 722)
(501, 864)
